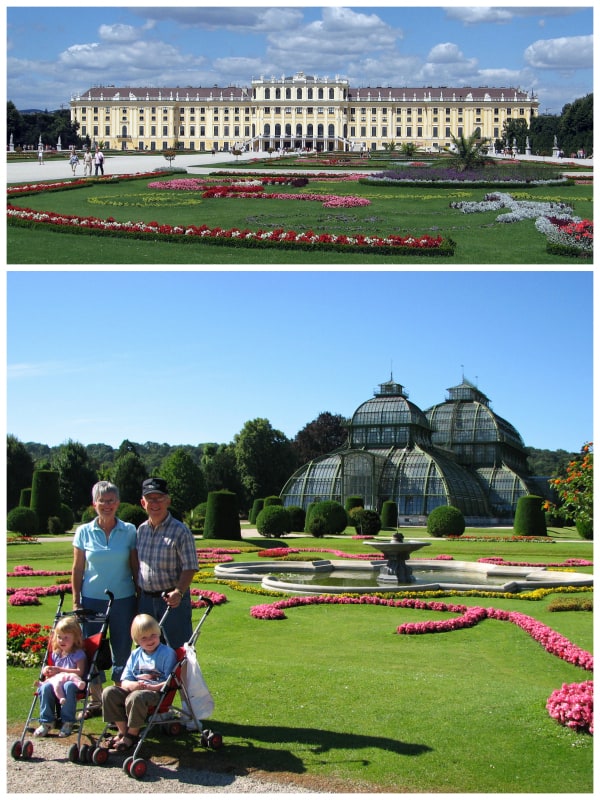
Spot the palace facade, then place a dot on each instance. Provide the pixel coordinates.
(292, 113)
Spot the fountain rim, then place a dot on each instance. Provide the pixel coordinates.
(517, 578)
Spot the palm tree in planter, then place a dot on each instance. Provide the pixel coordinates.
(469, 153)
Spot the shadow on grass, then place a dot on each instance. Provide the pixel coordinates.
(247, 747)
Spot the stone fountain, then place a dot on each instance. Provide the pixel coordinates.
(397, 551)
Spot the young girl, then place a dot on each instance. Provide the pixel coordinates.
(145, 674)
(63, 677)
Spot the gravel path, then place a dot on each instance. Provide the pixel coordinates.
(50, 771)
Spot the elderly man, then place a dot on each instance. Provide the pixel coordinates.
(168, 562)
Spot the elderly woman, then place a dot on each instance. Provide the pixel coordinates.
(105, 557)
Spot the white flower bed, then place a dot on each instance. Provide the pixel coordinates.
(518, 209)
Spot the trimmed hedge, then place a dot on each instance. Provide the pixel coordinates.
(45, 497)
(530, 519)
(446, 521)
(326, 518)
(273, 521)
(389, 514)
(22, 520)
(222, 516)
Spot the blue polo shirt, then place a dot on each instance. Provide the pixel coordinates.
(107, 564)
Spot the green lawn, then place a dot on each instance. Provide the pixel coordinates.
(332, 693)
(393, 210)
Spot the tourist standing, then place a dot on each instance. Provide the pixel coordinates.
(99, 161)
(105, 558)
(168, 562)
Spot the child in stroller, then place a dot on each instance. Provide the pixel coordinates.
(63, 677)
(146, 672)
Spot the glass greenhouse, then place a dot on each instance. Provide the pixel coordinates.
(457, 453)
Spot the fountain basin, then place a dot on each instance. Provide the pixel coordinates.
(339, 576)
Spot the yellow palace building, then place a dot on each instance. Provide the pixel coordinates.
(301, 112)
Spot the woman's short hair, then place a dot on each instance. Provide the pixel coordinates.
(142, 625)
(103, 487)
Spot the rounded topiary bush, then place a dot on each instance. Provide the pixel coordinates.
(353, 501)
(297, 518)
(197, 517)
(366, 521)
(273, 500)
(22, 520)
(129, 512)
(530, 518)
(56, 526)
(89, 514)
(585, 528)
(222, 516)
(67, 516)
(257, 507)
(273, 521)
(446, 521)
(389, 515)
(327, 518)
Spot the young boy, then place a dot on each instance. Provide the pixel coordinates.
(145, 674)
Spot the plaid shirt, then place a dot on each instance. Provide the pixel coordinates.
(164, 552)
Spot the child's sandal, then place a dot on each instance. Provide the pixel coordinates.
(126, 742)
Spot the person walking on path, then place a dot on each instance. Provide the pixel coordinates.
(99, 161)
(105, 557)
(168, 562)
(74, 161)
(87, 163)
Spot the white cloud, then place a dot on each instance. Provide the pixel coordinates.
(122, 34)
(565, 53)
(478, 15)
(239, 19)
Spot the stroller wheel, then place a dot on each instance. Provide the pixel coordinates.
(74, 754)
(100, 756)
(211, 739)
(27, 751)
(84, 754)
(127, 764)
(16, 750)
(138, 768)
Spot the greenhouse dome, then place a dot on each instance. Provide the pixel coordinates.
(457, 453)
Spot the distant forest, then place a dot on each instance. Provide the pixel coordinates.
(543, 463)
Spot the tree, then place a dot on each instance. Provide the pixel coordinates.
(321, 436)
(19, 470)
(468, 153)
(515, 130)
(264, 457)
(128, 473)
(576, 127)
(76, 475)
(542, 131)
(184, 479)
(575, 489)
(219, 467)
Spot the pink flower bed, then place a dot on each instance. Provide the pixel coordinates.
(573, 706)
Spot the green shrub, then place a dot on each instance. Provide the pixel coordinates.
(90, 513)
(25, 498)
(327, 518)
(389, 515)
(297, 518)
(273, 521)
(446, 521)
(56, 526)
(257, 507)
(22, 520)
(585, 528)
(67, 516)
(273, 500)
(129, 512)
(222, 516)
(197, 517)
(45, 496)
(354, 501)
(366, 521)
(309, 513)
(530, 519)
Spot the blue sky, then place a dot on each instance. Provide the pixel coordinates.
(189, 357)
(54, 52)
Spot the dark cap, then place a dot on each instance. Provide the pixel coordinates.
(154, 485)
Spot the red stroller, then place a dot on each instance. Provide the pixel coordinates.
(97, 650)
(166, 715)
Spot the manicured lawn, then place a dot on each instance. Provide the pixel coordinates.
(393, 210)
(334, 693)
